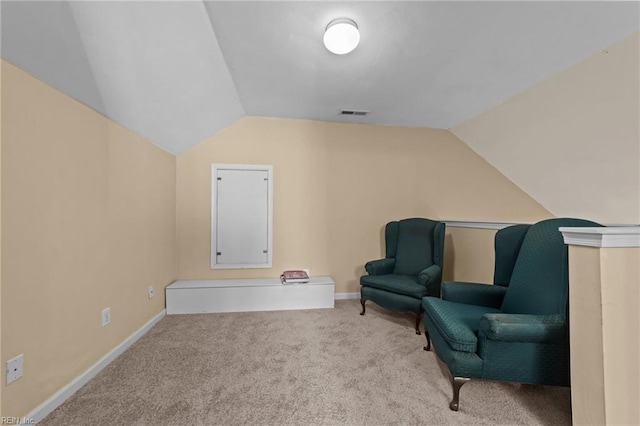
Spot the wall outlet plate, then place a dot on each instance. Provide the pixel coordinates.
(150, 291)
(106, 316)
(14, 368)
(307, 271)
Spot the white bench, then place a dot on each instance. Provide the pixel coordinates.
(242, 295)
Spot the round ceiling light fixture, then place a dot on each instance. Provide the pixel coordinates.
(341, 36)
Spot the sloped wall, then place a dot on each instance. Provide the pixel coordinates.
(572, 142)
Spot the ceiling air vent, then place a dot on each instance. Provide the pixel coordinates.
(353, 112)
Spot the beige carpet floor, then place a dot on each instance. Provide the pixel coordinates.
(314, 367)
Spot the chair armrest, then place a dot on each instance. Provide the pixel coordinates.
(431, 278)
(474, 294)
(380, 266)
(523, 328)
(429, 275)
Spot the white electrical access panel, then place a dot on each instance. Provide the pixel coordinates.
(241, 216)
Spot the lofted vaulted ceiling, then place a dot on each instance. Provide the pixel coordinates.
(178, 72)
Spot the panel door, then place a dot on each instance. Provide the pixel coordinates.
(242, 219)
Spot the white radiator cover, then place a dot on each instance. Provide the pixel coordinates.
(246, 295)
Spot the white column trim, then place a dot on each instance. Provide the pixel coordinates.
(628, 236)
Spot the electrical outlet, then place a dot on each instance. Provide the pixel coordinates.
(307, 271)
(150, 291)
(106, 316)
(14, 368)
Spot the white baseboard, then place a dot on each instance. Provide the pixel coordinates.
(344, 296)
(42, 410)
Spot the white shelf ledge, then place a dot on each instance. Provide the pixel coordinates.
(479, 225)
(500, 225)
(246, 295)
(627, 236)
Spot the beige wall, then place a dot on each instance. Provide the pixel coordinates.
(336, 185)
(605, 350)
(620, 334)
(88, 220)
(469, 255)
(572, 142)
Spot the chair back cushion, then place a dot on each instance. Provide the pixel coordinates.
(507, 245)
(391, 239)
(414, 249)
(540, 281)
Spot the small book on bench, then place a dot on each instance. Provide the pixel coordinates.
(293, 277)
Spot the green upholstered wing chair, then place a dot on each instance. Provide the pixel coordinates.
(411, 269)
(518, 333)
(507, 243)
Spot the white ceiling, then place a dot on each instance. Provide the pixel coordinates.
(178, 72)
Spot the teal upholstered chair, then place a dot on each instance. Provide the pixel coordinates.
(507, 243)
(411, 269)
(515, 333)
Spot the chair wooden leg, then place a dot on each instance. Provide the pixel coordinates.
(457, 383)
(362, 300)
(426, 334)
(418, 318)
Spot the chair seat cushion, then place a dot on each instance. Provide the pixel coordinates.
(457, 323)
(399, 284)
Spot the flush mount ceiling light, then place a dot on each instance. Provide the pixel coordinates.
(341, 36)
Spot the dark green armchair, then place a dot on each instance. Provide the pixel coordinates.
(411, 269)
(515, 333)
(507, 243)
